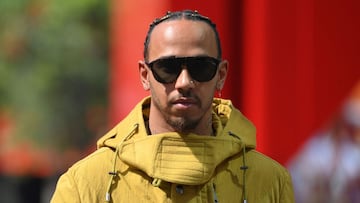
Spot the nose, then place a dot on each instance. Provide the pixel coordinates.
(184, 80)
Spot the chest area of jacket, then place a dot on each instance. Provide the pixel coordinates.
(226, 185)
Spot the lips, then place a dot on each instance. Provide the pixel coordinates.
(185, 101)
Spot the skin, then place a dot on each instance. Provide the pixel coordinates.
(182, 106)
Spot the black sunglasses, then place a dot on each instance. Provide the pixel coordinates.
(200, 68)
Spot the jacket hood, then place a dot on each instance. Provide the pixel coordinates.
(184, 159)
(227, 120)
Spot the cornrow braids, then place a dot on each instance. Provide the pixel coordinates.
(185, 14)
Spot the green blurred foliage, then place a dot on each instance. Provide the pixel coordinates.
(54, 69)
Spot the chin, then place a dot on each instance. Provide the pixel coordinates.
(183, 124)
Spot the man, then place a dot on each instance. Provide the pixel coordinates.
(180, 144)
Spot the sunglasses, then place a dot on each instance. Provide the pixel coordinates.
(200, 68)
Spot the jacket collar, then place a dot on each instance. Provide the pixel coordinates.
(184, 159)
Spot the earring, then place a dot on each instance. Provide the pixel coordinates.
(146, 86)
(218, 87)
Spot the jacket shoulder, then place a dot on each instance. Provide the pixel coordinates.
(266, 168)
(260, 160)
(267, 176)
(102, 155)
(85, 179)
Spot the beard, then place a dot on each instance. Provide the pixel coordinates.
(182, 124)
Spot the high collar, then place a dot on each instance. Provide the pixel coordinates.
(173, 157)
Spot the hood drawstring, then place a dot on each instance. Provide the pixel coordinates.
(215, 195)
(244, 167)
(113, 173)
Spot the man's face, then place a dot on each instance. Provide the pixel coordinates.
(185, 104)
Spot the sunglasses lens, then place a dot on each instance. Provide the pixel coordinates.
(201, 69)
(166, 70)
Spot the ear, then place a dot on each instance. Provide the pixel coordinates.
(222, 73)
(144, 75)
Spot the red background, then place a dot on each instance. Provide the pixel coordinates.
(292, 62)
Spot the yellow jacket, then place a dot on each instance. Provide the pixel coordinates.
(131, 166)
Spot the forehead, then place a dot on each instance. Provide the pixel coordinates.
(182, 37)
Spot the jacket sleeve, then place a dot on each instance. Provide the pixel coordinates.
(287, 192)
(66, 190)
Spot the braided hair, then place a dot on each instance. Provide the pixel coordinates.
(185, 14)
